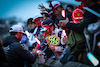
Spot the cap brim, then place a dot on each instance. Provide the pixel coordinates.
(43, 29)
(23, 33)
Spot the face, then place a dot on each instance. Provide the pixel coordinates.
(69, 9)
(32, 26)
(38, 21)
(48, 31)
(57, 11)
(19, 35)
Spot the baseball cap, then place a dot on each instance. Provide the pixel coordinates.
(46, 24)
(16, 28)
(37, 16)
(55, 4)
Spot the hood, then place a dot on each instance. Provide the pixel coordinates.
(8, 40)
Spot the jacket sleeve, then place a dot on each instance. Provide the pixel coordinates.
(26, 55)
(75, 27)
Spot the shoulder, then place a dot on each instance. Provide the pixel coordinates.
(16, 45)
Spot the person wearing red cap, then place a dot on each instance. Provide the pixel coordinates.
(88, 17)
(58, 10)
(75, 41)
(77, 16)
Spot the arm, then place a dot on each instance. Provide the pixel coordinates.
(75, 27)
(42, 7)
(88, 19)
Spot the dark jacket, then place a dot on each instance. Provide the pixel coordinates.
(3, 62)
(16, 54)
(88, 19)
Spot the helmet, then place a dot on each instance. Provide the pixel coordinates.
(77, 14)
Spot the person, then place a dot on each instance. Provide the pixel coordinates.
(69, 9)
(75, 41)
(47, 29)
(32, 31)
(45, 15)
(88, 17)
(38, 21)
(58, 13)
(57, 9)
(16, 54)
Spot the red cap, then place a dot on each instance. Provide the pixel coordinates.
(77, 14)
(55, 4)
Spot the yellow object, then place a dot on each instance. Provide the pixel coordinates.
(53, 40)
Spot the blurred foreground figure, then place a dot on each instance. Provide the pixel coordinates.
(16, 54)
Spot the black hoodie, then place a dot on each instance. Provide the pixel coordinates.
(16, 54)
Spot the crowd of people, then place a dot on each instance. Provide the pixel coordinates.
(55, 33)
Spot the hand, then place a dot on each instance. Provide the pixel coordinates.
(42, 7)
(52, 47)
(62, 23)
(34, 51)
(64, 39)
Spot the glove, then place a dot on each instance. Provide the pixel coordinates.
(24, 39)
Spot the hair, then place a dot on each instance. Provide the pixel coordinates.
(47, 15)
(29, 21)
(13, 33)
(71, 6)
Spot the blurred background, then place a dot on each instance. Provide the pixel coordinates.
(18, 11)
